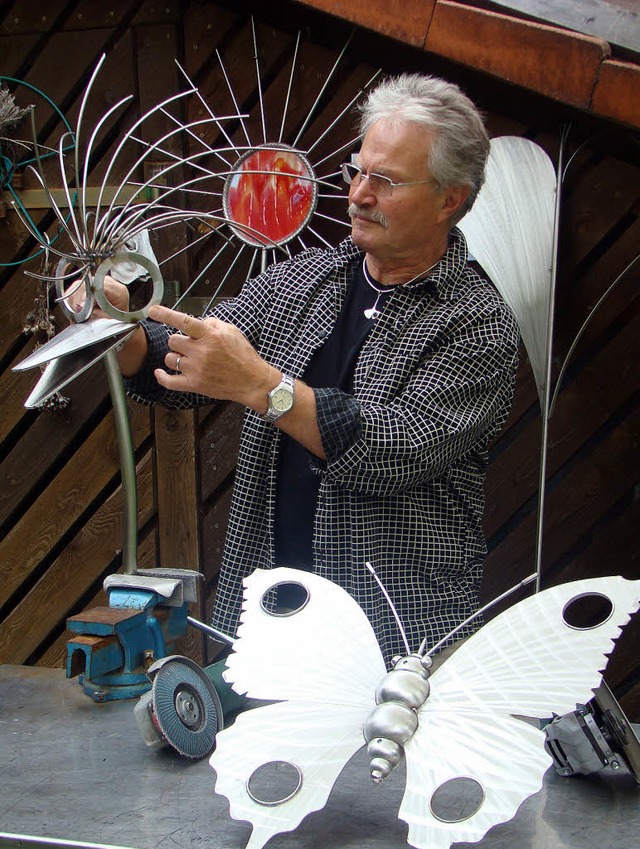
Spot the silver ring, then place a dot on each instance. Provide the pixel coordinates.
(178, 364)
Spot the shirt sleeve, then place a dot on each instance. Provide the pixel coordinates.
(339, 421)
(453, 403)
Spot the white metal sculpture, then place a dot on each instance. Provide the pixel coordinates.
(323, 667)
(511, 231)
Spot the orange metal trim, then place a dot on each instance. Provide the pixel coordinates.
(560, 64)
(617, 92)
(404, 20)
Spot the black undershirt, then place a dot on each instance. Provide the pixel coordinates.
(332, 365)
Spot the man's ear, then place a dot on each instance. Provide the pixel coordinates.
(452, 199)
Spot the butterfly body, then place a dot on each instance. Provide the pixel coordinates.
(394, 720)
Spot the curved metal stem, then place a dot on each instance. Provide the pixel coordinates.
(545, 401)
(127, 465)
(403, 633)
(580, 332)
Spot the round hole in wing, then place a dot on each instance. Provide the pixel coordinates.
(457, 799)
(587, 610)
(285, 598)
(274, 783)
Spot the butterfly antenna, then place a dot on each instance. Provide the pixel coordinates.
(475, 615)
(391, 605)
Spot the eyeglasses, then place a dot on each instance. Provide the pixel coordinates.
(379, 185)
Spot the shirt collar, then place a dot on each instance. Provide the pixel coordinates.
(444, 278)
(449, 272)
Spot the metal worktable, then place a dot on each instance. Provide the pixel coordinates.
(75, 773)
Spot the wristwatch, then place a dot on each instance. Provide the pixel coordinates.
(280, 399)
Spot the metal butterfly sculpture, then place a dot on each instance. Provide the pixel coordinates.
(322, 668)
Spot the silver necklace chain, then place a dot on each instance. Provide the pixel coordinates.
(374, 312)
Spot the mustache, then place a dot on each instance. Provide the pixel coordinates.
(369, 214)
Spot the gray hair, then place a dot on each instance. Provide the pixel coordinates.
(460, 144)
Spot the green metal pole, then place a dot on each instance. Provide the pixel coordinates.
(127, 465)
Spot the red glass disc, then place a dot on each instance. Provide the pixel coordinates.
(272, 194)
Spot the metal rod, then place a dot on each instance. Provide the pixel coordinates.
(318, 236)
(258, 80)
(343, 112)
(235, 103)
(546, 394)
(127, 465)
(477, 613)
(311, 112)
(383, 589)
(210, 631)
(224, 279)
(342, 148)
(286, 102)
(580, 332)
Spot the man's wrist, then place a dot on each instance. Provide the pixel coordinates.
(132, 352)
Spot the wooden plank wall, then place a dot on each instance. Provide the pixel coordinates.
(60, 497)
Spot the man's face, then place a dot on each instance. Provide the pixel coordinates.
(398, 151)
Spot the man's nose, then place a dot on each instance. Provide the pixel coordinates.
(362, 194)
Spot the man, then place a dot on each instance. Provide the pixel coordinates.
(374, 375)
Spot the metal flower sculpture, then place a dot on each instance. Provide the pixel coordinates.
(512, 231)
(257, 197)
(106, 234)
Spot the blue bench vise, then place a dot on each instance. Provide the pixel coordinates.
(113, 647)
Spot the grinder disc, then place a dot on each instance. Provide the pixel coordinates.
(186, 706)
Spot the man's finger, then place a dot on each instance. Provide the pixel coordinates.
(176, 382)
(187, 324)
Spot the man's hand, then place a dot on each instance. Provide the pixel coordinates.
(214, 358)
(116, 293)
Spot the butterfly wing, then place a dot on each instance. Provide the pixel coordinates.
(527, 661)
(324, 659)
(314, 739)
(324, 649)
(503, 757)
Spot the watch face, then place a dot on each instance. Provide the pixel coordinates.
(282, 400)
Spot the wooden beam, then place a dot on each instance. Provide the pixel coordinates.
(616, 20)
(405, 20)
(556, 63)
(38, 198)
(176, 486)
(617, 92)
(568, 66)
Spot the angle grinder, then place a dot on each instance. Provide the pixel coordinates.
(187, 703)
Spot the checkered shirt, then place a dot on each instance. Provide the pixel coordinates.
(403, 483)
